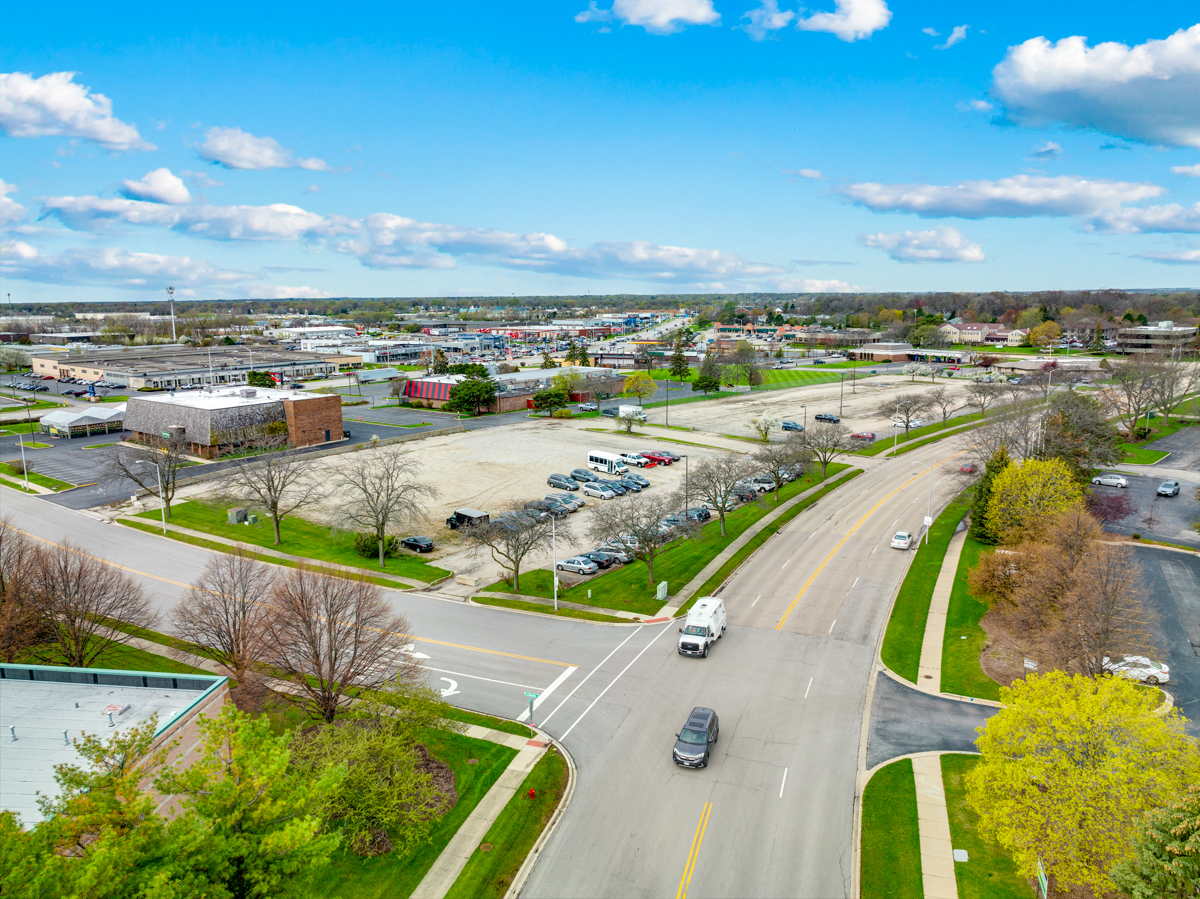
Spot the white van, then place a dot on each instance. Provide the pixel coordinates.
(705, 625)
(610, 463)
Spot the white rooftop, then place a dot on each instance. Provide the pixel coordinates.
(224, 397)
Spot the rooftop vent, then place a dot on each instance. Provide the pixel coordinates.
(248, 392)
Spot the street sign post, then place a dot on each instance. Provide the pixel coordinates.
(531, 697)
(1042, 881)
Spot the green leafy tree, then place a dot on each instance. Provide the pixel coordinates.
(639, 385)
(568, 380)
(1030, 490)
(549, 401)
(468, 368)
(1078, 432)
(259, 379)
(440, 364)
(472, 395)
(1166, 861)
(547, 361)
(679, 368)
(980, 531)
(1068, 767)
(708, 378)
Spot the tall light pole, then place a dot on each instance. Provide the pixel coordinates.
(929, 507)
(841, 392)
(896, 439)
(24, 466)
(554, 565)
(162, 506)
(171, 300)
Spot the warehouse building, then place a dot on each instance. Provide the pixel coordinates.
(215, 420)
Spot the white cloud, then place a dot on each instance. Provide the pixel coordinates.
(931, 31)
(805, 173)
(1188, 171)
(10, 209)
(1182, 257)
(957, 35)
(766, 20)
(1169, 219)
(810, 285)
(1048, 150)
(200, 179)
(945, 244)
(238, 149)
(1014, 197)
(851, 20)
(313, 189)
(159, 186)
(656, 16)
(1146, 92)
(114, 267)
(974, 106)
(54, 105)
(286, 293)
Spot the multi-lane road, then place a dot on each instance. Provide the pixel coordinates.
(773, 814)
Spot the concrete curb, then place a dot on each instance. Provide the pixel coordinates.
(483, 605)
(531, 860)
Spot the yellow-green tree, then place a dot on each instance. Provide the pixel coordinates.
(640, 385)
(1045, 334)
(1033, 490)
(1069, 766)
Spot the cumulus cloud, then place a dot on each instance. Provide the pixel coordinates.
(1146, 92)
(1048, 150)
(973, 106)
(766, 20)
(200, 179)
(945, 244)
(237, 149)
(957, 36)
(54, 106)
(1014, 197)
(282, 292)
(10, 209)
(656, 16)
(811, 285)
(851, 20)
(1171, 218)
(931, 31)
(114, 267)
(159, 186)
(805, 173)
(1181, 257)
(1188, 171)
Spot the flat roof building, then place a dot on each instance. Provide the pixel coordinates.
(173, 365)
(1161, 337)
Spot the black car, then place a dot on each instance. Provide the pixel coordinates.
(637, 479)
(818, 362)
(792, 426)
(603, 559)
(698, 513)
(558, 510)
(827, 416)
(745, 493)
(418, 544)
(674, 457)
(583, 476)
(615, 486)
(630, 484)
(693, 744)
(609, 413)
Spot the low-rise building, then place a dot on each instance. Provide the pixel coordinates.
(173, 366)
(883, 352)
(967, 332)
(1161, 337)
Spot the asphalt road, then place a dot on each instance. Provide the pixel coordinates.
(1173, 585)
(1166, 518)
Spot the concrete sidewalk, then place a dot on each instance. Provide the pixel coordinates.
(929, 672)
(933, 828)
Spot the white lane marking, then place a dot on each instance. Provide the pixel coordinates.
(809, 687)
(545, 693)
(451, 690)
(830, 631)
(477, 677)
(781, 785)
(894, 522)
(784, 565)
(876, 547)
(613, 681)
(855, 584)
(813, 534)
(756, 599)
(585, 679)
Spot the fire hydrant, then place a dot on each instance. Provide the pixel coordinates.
(532, 793)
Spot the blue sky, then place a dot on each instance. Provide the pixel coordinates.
(262, 150)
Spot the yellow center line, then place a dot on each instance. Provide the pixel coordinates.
(694, 853)
(166, 580)
(829, 558)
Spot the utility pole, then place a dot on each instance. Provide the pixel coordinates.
(171, 300)
(841, 392)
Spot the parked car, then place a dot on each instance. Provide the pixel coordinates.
(557, 509)
(827, 416)
(621, 555)
(588, 407)
(698, 513)
(570, 500)
(418, 544)
(609, 413)
(615, 486)
(603, 559)
(637, 459)
(578, 565)
(1110, 480)
(562, 482)
(600, 491)
(912, 424)
(694, 742)
(674, 457)
(1137, 668)
(968, 468)
(630, 484)
(902, 540)
(559, 505)
(583, 476)
(764, 482)
(656, 456)
(745, 493)
(623, 543)
(792, 426)
(755, 484)
(1168, 488)
(466, 518)
(637, 479)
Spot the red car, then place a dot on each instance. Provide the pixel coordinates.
(863, 435)
(969, 468)
(655, 456)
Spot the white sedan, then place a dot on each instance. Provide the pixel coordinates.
(912, 424)
(598, 491)
(579, 565)
(1110, 480)
(1138, 668)
(902, 540)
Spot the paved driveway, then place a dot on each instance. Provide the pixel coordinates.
(1173, 581)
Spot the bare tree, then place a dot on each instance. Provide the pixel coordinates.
(715, 481)
(1104, 613)
(511, 536)
(778, 460)
(906, 408)
(1129, 395)
(144, 463)
(1016, 391)
(378, 491)
(329, 635)
(942, 399)
(982, 394)
(628, 422)
(1174, 379)
(226, 610)
(827, 440)
(81, 595)
(763, 423)
(279, 482)
(22, 623)
(635, 523)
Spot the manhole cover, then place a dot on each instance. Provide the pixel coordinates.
(927, 676)
(472, 761)
(485, 847)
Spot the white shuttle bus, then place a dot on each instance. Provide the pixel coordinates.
(598, 460)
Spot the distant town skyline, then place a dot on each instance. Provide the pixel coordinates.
(631, 146)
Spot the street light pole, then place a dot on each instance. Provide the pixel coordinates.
(896, 439)
(162, 506)
(929, 506)
(24, 466)
(841, 392)
(553, 569)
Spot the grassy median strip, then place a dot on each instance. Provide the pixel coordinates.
(300, 538)
(34, 478)
(906, 627)
(989, 872)
(468, 717)
(961, 671)
(891, 844)
(545, 610)
(512, 835)
(884, 444)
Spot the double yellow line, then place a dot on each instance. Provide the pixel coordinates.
(694, 853)
(829, 558)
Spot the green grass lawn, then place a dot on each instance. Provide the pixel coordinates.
(988, 872)
(885, 442)
(692, 398)
(22, 428)
(34, 444)
(300, 538)
(891, 846)
(1139, 454)
(117, 656)
(546, 610)
(513, 833)
(626, 588)
(468, 717)
(34, 478)
(906, 627)
(394, 875)
(961, 671)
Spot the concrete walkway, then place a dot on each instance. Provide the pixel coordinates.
(690, 588)
(929, 672)
(933, 827)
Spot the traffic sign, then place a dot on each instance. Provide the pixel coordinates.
(1031, 664)
(1042, 881)
(532, 695)
(928, 521)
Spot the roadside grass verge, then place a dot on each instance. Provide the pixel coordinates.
(5, 482)
(513, 833)
(891, 846)
(300, 538)
(707, 588)
(965, 639)
(34, 478)
(989, 872)
(466, 716)
(1135, 454)
(884, 444)
(116, 656)
(397, 875)
(545, 610)
(626, 588)
(697, 398)
(906, 628)
(22, 428)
